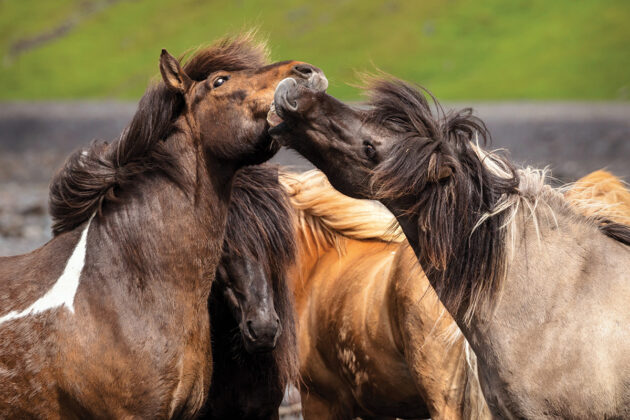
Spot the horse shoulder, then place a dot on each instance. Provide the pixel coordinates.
(27, 277)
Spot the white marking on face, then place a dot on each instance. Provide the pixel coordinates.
(63, 291)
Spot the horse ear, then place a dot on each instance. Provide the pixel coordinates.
(173, 74)
(438, 169)
(444, 172)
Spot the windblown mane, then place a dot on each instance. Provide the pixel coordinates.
(437, 172)
(327, 213)
(601, 194)
(260, 226)
(94, 176)
(465, 198)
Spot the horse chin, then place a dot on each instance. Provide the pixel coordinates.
(253, 348)
(264, 148)
(277, 125)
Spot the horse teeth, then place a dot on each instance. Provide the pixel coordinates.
(273, 118)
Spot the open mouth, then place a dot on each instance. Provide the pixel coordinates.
(275, 121)
(285, 100)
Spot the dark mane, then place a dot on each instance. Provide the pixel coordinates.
(261, 226)
(260, 218)
(441, 179)
(94, 176)
(616, 231)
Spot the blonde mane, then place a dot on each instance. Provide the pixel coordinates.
(602, 194)
(328, 214)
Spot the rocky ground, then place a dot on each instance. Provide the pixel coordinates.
(35, 138)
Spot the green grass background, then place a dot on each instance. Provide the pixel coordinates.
(459, 49)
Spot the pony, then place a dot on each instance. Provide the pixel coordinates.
(539, 290)
(374, 340)
(251, 308)
(110, 317)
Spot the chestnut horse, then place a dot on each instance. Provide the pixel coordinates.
(601, 192)
(251, 309)
(374, 339)
(539, 291)
(110, 318)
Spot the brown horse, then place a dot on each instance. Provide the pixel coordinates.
(539, 291)
(110, 318)
(374, 339)
(251, 309)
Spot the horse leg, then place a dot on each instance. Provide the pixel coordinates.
(275, 415)
(444, 374)
(316, 408)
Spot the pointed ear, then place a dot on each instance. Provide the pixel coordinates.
(444, 172)
(173, 74)
(438, 169)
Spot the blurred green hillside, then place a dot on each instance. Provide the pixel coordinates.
(459, 49)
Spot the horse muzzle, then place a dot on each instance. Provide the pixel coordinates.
(312, 76)
(260, 336)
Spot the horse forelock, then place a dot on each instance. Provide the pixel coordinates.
(453, 189)
(94, 176)
(260, 226)
(260, 218)
(230, 54)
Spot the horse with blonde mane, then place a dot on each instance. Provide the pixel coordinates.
(539, 290)
(374, 339)
(601, 193)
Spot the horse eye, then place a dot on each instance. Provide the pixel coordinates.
(219, 81)
(370, 151)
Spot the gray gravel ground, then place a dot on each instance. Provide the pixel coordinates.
(35, 138)
(573, 139)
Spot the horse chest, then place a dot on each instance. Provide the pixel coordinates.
(194, 375)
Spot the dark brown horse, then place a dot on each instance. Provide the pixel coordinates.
(110, 318)
(539, 291)
(251, 308)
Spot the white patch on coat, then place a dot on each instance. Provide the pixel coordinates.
(63, 291)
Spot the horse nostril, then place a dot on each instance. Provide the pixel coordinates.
(250, 329)
(303, 70)
(315, 79)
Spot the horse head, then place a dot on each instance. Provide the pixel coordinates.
(225, 97)
(248, 291)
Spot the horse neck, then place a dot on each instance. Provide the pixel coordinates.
(407, 222)
(170, 235)
(310, 248)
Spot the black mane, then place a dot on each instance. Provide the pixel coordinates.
(437, 173)
(260, 218)
(260, 226)
(93, 176)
